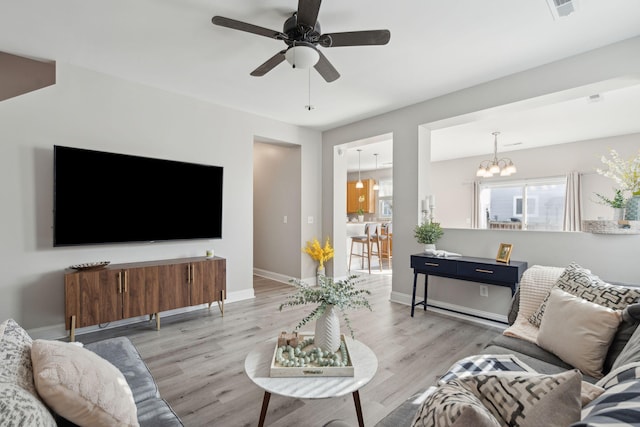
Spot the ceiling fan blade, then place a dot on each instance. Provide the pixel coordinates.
(249, 28)
(326, 70)
(355, 38)
(269, 65)
(308, 12)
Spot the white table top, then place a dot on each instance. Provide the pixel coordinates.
(258, 363)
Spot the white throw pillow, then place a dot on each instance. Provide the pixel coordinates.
(81, 386)
(578, 331)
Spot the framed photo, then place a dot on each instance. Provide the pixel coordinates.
(504, 252)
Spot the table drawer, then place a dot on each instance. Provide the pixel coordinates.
(489, 273)
(433, 265)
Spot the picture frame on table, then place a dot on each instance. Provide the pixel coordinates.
(504, 252)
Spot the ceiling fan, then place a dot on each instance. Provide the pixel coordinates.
(301, 33)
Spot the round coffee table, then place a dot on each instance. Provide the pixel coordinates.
(258, 363)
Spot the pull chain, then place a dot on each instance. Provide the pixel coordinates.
(309, 107)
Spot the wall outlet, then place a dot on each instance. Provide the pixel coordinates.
(484, 291)
(284, 219)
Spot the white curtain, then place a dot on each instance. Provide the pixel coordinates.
(475, 214)
(573, 203)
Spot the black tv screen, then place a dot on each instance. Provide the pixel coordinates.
(102, 197)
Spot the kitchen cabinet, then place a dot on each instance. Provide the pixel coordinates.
(353, 194)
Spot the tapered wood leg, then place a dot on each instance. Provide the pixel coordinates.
(158, 321)
(72, 332)
(265, 405)
(356, 401)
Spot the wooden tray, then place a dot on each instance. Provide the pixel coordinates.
(312, 370)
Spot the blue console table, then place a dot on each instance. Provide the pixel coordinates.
(480, 270)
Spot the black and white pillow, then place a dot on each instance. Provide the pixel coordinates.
(582, 283)
(619, 405)
(504, 398)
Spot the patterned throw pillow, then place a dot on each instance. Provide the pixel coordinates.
(19, 402)
(511, 398)
(452, 405)
(582, 283)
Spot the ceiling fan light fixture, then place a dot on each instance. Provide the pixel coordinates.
(302, 56)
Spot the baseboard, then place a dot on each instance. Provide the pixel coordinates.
(277, 277)
(458, 311)
(58, 331)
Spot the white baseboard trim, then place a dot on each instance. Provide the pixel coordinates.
(58, 331)
(458, 311)
(280, 277)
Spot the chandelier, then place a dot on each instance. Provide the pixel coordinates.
(503, 166)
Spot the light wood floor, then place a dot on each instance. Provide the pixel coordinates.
(197, 358)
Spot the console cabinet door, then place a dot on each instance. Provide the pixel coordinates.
(140, 291)
(93, 297)
(206, 278)
(173, 280)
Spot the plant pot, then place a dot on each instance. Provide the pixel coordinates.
(632, 211)
(429, 247)
(618, 214)
(327, 333)
(360, 218)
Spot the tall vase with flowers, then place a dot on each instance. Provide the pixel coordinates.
(626, 174)
(318, 253)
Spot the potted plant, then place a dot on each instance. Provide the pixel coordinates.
(617, 203)
(428, 234)
(626, 173)
(330, 296)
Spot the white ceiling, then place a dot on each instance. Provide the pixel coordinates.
(436, 47)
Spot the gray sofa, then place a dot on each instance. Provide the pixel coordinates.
(618, 405)
(22, 405)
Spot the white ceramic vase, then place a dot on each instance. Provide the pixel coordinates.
(327, 334)
(429, 247)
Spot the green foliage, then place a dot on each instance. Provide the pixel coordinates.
(618, 200)
(428, 233)
(342, 294)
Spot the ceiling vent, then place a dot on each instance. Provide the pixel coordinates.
(561, 8)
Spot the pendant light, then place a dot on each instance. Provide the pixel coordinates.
(503, 166)
(376, 187)
(359, 184)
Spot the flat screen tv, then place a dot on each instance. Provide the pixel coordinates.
(102, 197)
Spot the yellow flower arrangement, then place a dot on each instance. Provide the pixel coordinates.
(319, 253)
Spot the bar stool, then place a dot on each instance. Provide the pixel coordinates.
(386, 241)
(371, 237)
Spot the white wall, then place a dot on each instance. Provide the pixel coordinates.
(276, 194)
(411, 182)
(95, 111)
(452, 179)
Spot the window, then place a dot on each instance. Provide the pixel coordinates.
(535, 204)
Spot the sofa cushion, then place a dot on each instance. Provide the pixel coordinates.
(578, 331)
(582, 283)
(630, 353)
(156, 412)
(121, 353)
(513, 398)
(81, 386)
(20, 404)
(629, 324)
